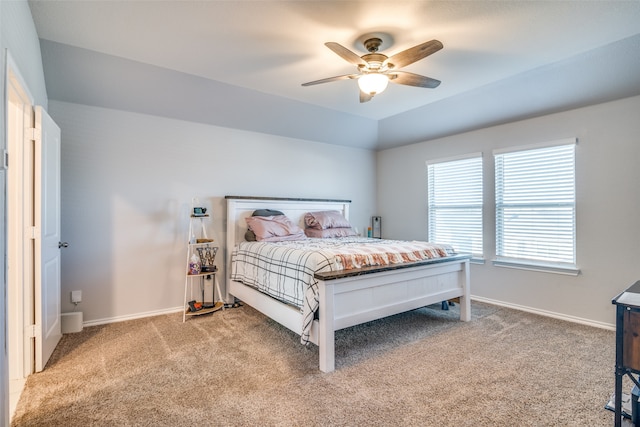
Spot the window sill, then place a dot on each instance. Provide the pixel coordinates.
(566, 269)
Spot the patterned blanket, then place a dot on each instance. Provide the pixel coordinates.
(285, 270)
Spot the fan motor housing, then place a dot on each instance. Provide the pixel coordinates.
(374, 59)
(372, 44)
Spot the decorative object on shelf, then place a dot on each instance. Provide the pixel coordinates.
(194, 264)
(207, 255)
(199, 211)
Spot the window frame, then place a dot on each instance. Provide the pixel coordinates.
(568, 268)
(476, 257)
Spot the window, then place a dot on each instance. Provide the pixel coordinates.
(535, 206)
(454, 188)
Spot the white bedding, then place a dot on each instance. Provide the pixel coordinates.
(285, 270)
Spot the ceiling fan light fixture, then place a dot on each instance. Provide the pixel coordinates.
(375, 69)
(373, 83)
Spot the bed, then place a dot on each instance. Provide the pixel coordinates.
(346, 297)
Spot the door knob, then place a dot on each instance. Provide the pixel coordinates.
(63, 245)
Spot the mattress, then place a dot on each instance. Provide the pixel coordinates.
(286, 270)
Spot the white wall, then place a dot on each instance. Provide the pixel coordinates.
(127, 184)
(608, 207)
(17, 36)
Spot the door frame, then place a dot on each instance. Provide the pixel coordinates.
(20, 222)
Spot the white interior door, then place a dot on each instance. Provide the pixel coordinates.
(47, 250)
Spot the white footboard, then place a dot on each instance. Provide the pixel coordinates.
(354, 300)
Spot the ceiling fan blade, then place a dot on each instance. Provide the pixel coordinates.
(413, 54)
(411, 79)
(365, 97)
(346, 54)
(331, 79)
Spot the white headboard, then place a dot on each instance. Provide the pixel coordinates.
(239, 208)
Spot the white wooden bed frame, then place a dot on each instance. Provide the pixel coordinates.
(351, 300)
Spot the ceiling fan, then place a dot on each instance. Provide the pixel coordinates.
(376, 70)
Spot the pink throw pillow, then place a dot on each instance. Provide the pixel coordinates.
(274, 228)
(325, 219)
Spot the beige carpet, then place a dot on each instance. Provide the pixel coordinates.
(236, 367)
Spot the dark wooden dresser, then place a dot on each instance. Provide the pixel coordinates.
(627, 347)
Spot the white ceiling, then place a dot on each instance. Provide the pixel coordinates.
(273, 46)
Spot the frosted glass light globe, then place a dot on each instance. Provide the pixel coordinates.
(373, 83)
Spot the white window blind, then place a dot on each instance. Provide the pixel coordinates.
(535, 204)
(455, 204)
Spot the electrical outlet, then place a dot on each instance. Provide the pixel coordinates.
(76, 297)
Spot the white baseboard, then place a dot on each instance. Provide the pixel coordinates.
(132, 316)
(568, 318)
